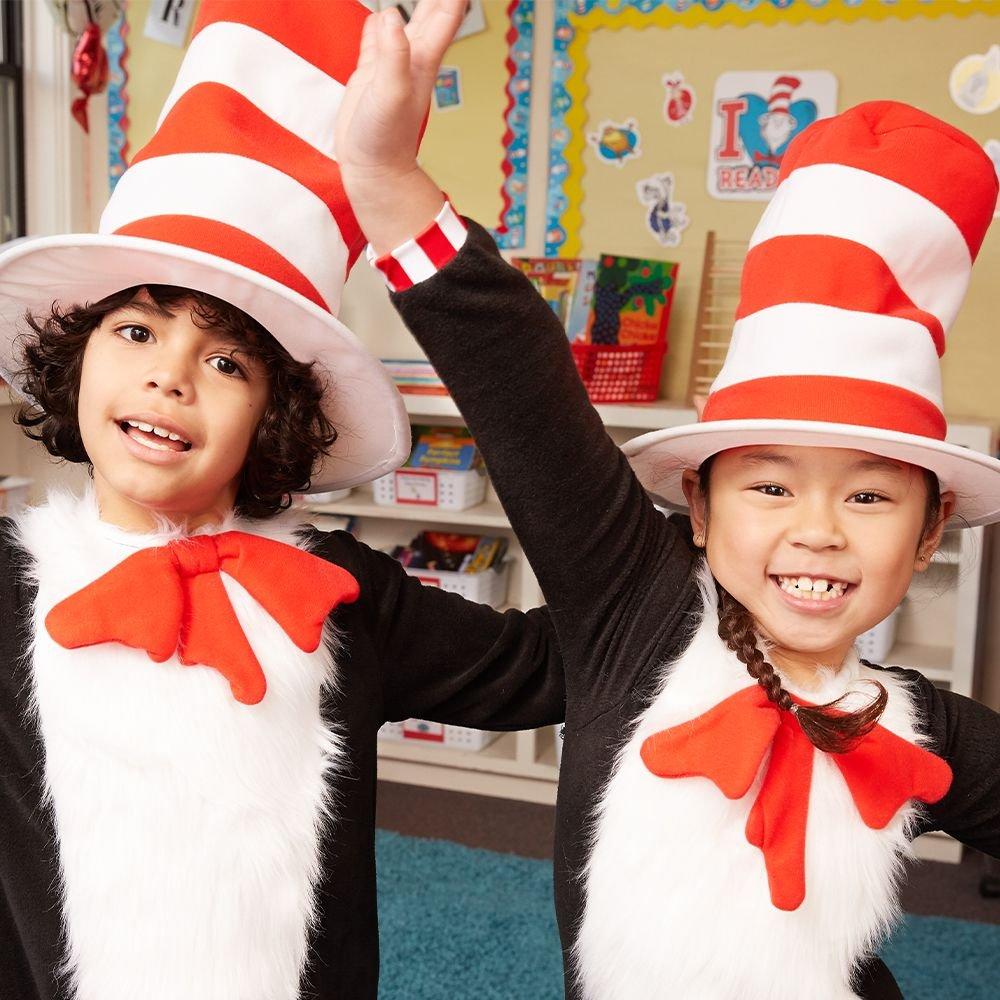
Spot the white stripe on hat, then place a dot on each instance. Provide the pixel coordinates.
(803, 338)
(830, 199)
(233, 54)
(232, 189)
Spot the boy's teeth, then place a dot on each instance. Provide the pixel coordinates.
(153, 429)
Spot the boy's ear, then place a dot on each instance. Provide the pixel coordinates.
(697, 508)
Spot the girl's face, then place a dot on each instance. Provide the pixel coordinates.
(144, 367)
(850, 522)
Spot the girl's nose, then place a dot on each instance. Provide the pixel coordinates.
(816, 526)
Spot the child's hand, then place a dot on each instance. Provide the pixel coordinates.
(381, 115)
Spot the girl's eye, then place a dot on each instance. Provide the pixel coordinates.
(771, 489)
(870, 498)
(226, 365)
(134, 333)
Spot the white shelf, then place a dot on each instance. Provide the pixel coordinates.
(641, 416)
(360, 503)
(934, 662)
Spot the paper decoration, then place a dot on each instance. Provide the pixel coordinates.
(666, 219)
(975, 82)
(474, 19)
(755, 115)
(678, 107)
(117, 100)
(992, 147)
(168, 21)
(616, 142)
(447, 89)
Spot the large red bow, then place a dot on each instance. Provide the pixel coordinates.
(727, 745)
(171, 599)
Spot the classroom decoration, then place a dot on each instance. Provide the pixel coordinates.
(168, 21)
(616, 142)
(678, 108)
(975, 82)
(117, 49)
(583, 36)
(666, 219)
(447, 89)
(992, 148)
(754, 118)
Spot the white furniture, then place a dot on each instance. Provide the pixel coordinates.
(938, 630)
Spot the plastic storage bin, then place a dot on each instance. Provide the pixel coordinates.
(445, 488)
(615, 373)
(875, 644)
(419, 731)
(487, 587)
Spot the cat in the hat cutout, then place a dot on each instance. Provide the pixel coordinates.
(192, 675)
(738, 788)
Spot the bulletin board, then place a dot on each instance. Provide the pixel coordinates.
(475, 147)
(611, 60)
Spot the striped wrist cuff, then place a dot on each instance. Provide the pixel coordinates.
(422, 257)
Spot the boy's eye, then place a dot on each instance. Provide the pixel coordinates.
(226, 365)
(135, 333)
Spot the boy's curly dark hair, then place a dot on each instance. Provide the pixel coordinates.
(291, 436)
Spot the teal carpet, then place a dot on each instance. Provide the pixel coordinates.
(465, 924)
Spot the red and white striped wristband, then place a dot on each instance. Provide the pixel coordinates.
(422, 257)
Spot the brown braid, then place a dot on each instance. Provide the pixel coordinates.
(828, 728)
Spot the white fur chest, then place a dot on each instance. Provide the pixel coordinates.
(188, 824)
(677, 900)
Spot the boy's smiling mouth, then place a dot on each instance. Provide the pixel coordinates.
(154, 433)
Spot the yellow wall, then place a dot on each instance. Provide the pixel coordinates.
(907, 60)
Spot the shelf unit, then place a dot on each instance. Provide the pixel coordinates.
(938, 631)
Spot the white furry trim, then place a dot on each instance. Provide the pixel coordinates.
(189, 825)
(677, 901)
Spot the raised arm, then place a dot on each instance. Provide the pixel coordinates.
(598, 547)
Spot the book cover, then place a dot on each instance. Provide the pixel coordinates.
(632, 299)
(443, 448)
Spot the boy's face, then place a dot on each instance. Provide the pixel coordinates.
(204, 397)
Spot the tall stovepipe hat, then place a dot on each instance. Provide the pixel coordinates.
(854, 275)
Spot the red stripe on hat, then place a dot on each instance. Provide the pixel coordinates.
(224, 241)
(912, 148)
(830, 399)
(828, 271)
(213, 118)
(326, 33)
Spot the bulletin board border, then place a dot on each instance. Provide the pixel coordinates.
(509, 233)
(577, 20)
(117, 49)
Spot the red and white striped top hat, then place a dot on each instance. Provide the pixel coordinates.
(854, 275)
(239, 194)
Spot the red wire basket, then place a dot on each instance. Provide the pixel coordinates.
(614, 373)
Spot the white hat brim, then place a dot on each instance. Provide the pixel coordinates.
(360, 398)
(659, 458)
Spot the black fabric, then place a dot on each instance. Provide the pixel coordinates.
(407, 650)
(617, 575)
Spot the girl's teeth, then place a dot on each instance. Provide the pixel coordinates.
(805, 588)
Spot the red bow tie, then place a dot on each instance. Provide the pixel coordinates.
(171, 599)
(727, 745)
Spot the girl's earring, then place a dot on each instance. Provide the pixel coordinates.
(699, 541)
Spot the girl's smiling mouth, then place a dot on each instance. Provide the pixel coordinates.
(813, 594)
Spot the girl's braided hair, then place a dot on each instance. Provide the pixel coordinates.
(828, 727)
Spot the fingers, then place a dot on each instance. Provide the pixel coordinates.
(392, 53)
(431, 30)
(369, 42)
